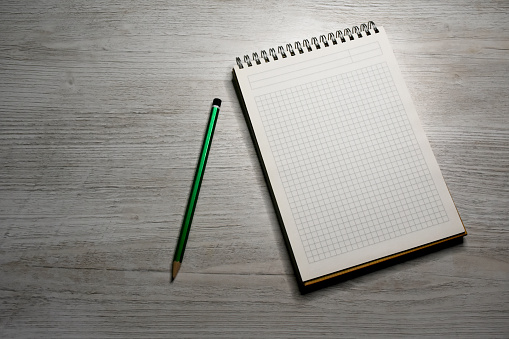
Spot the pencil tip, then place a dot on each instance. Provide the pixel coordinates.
(175, 270)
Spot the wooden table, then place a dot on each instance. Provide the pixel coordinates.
(103, 105)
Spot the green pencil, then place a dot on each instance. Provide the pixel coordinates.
(195, 189)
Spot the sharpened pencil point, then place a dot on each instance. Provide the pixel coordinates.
(175, 269)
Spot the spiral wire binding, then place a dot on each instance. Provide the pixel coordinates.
(289, 48)
(306, 44)
(298, 46)
(281, 51)
(323, 40)
(347, 34)
(272, 53)
(263, 55)
(333, 38)
(341, 36)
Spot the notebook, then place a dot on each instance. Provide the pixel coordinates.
(352, 176)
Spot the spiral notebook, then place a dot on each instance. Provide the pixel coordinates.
(351, 173)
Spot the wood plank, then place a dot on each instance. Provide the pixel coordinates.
(103, 106)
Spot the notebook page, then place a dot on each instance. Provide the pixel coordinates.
(350, 167)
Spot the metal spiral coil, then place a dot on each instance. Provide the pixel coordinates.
(256, 58)
(341, 36)
(348, 32)
(315, 42)
(306, 44)
(323, 40)
(247, 60)
(298, 46)
(289, 48)
(264, 56)
(281, 51)
(332, 38)
(364, 28)
(272, 53)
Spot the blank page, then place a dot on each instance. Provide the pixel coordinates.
(352, 173)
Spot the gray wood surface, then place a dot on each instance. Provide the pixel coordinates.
(103, 105)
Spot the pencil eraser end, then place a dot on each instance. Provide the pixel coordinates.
(216, 102)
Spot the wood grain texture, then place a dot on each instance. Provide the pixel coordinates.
(103, 106)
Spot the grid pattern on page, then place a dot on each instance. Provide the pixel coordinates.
(350, 165)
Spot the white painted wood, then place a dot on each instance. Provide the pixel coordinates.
(103, 106)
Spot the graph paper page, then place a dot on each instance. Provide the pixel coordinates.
(353, 175)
